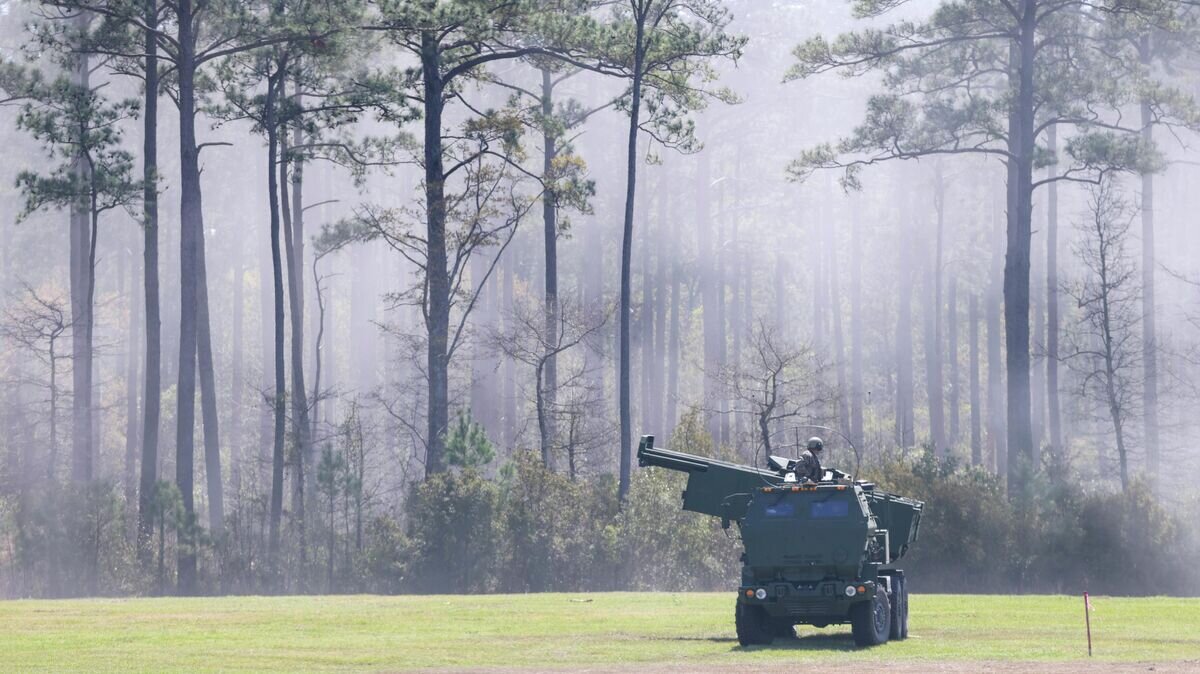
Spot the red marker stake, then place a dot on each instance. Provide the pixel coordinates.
(1087, 611)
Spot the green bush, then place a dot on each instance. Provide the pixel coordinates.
(1129, 544)
(382, 566)
(554, 529)
(660, 546)
(529, 529)
(454, 533)
(1065, 538)
(533, 530)
(966, 528)
(71, 540)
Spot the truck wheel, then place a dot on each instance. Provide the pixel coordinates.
(752, 625)
(870, 621)
(899, 608)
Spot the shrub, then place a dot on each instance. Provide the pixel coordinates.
(1128, 544)
(554, 529)
(70, 540)
(382, 566)
(661, 547)
(966, 527)
(454, 533)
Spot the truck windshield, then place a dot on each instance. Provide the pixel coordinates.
(781, 509)
(824, 509)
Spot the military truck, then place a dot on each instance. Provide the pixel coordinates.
(819, 554)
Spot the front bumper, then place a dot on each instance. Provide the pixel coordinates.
(807, 602)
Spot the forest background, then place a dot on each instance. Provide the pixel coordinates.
(302, 297)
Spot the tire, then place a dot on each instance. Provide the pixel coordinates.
(871, 621)
(753, 628)
(899, 628)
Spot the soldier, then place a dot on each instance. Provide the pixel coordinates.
(808, 466)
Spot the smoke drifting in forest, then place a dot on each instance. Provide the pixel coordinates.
(327, 354)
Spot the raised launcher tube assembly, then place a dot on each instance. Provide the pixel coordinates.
(815, 553)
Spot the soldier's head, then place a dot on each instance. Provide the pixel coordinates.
(815, 444)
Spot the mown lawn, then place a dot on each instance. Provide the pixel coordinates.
(371, 633)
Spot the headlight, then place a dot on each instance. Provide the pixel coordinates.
(760, 593)
(849, 590)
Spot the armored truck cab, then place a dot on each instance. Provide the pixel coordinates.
(815, 553)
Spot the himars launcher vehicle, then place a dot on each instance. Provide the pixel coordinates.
(815, 553)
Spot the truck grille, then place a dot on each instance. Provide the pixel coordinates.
(806, 607)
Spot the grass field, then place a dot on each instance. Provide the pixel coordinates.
(642, 632)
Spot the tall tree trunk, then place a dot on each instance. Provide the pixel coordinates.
(646, 322)
(732, 271)
(709, 289)
(839, 340)
(237, 377)
(208, 399)
(933, 348)
(1037, 367)
(625, 352)
(593, 299)
(976, 398)
(721, 324)
(317, 402)
(1016, 267)
(280, 392)
(322, 406)
(996, 428)
(661, 297)
(905, 434)
(363, 295)
(191, 228)
(549, 390)
(152, 405)
(436, 264)
(933, 367)
(82, 451)
(131, 392)
(266, 419)
(483, 364)
(1054, 413)
(55, 394)
(509, 366)
(673, 347)
(954, 385)
(322, 367)
(296, 262)
(856, 329)
(302, 457)
(539, 404)
(1149, 327)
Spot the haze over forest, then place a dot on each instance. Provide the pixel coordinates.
(342, 308)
